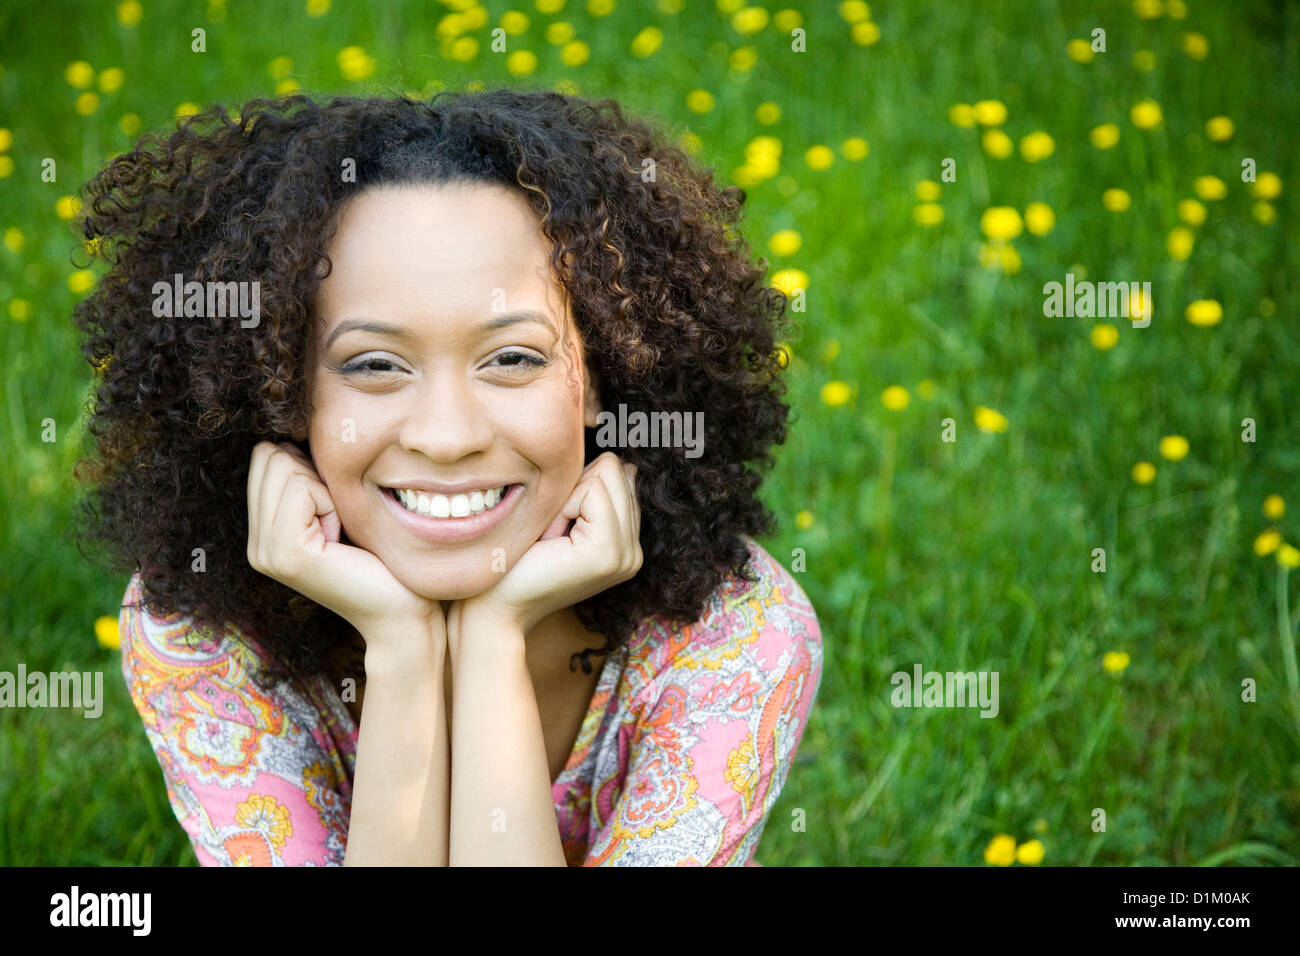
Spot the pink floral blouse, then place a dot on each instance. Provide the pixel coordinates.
(690, 736)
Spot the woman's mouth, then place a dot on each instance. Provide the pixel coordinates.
(440, 507)
(452, 518)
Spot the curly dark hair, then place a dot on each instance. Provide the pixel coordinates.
(669, 304)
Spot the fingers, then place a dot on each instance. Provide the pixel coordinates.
(611, 503)
(283, 486)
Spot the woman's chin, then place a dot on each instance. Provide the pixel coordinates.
(442, 589)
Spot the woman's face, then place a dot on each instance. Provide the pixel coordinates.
(445, 359)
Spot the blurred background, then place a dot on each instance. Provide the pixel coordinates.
(920, 171)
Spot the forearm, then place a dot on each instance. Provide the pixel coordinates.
(401, 787)
(502, 810)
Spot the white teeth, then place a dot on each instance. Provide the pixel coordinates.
(455, 506)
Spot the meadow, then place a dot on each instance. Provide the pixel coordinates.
(916, 174)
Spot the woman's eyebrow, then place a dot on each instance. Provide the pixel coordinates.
(397, 331)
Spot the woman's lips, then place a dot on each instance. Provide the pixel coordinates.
(453, 530)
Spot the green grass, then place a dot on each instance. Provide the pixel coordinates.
(973, 555)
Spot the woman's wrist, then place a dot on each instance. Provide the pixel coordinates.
(397, 646)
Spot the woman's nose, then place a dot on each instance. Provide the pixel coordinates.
(445, 421)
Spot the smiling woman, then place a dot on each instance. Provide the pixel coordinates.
(400, 461)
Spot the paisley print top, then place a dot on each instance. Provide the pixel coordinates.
(689, 738)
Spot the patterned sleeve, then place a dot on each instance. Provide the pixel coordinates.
(721, 707)
(248, 782)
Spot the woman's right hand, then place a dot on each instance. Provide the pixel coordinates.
(293, 537)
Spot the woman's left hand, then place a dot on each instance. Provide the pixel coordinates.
(601, 550)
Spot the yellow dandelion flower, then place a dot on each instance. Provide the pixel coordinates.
(742, 58)
(926, 388)
(79, 74)
(855, 149)
(1001, 850)
(6, 166)
(1115, 661)
(988, 420)
(790, 280)
(855, 11)
(1031, 853)
(1040, 826)
(783, 21)
(990, 112)
(1274, 507)
(1176, 9)
(785, 243)
(111, 80)
(895, 398)
(87, 103)
(20, 310)
(1144, 60)
(830, 350)
(14, 239)
(1104, 136)
(803, 520)
(1288, 556)
(514, 22)
(646, 42)
(280, 67)
(1191, 212)
(819, 157)
(835, 394)
(1267, 542)
(1179, 243)
(928, 214)
(129, 124)
(355, 64)
(865, 33)
(129, 12)
(1210, 188)
(1116, 200)
(1146, 114)
(1139, 307)
(1039, 218)
(1000, 256)
(962, 114)
(997, 144)
(6, 140)
(767, 114)
(783, 354)
(1148, 9)
(1001, 222)
(559, 33)
(1037, 146)
(1144, 473)
(1080, 51)
(317, 8)
(186, 109)
(1104, 336)
(106, 633)
(81, 281)
(699, 101)
(1194, 45)
(927, 190)
(1268, 186)
(1219, 128)
(521, 62)
(549, 6)
(1174, 447)
(575, 53)
(1264, 213)
(66, 207)
(1204, 312)
(749, 20)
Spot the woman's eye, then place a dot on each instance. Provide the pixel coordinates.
(367, 366)
(519, 360)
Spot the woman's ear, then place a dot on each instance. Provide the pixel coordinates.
(592, 408)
